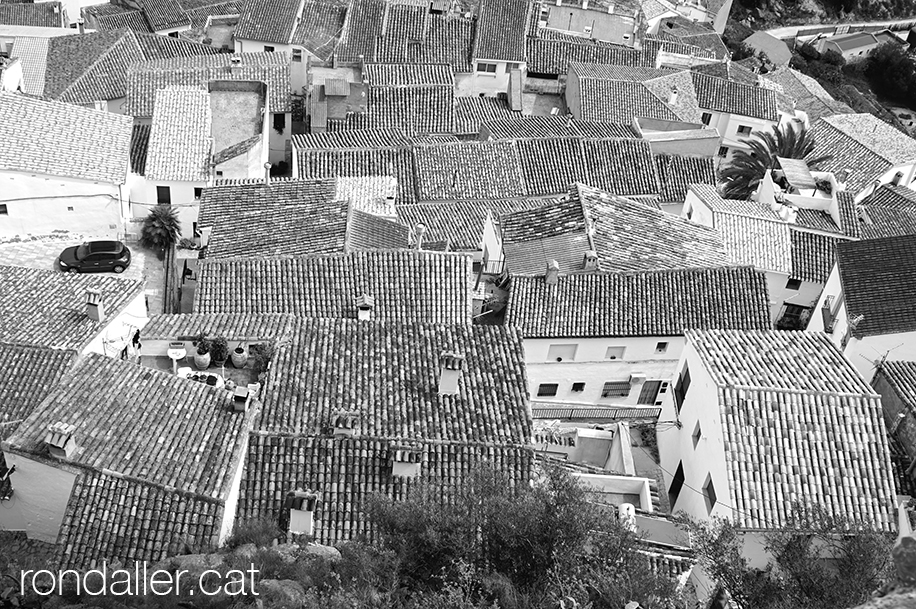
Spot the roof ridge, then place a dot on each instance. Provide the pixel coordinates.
(263, 433)
(787, 390)
(104, 55)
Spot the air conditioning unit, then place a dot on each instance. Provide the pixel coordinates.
(636, 379)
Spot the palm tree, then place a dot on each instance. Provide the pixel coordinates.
(789, 140)
(160, 228)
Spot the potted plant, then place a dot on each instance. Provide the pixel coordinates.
(262, 354)
(219, 351)
(239, 356)
(202, 358)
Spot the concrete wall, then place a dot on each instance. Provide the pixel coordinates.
(40, 204)
(40, 496)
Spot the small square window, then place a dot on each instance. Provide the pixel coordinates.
(561, 353)
(697, 434)
(547, 390)
(297, 55)
(578, 387)
(4, 211)
(661, 347)
(723, 151)
(616, 389)
(615, 352)
(793, 284)
(709, 493)
(706, 118)
(268, 49)
(69, 209)
(198, 192)
(219, 174)
(744, 130)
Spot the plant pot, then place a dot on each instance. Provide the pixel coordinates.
(211, 380)
(219, 363)
(239, 357)
(202, 362)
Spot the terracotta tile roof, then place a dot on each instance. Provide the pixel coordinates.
(799, 423)
(646, 304)
(396, 162)
(879, 222)
(720, 95)
(552, 56)
(180, 143)
(552, 126)
(501, 26)
(373, 195)
(139, 144)
(89, 67)
(685, 106)
(200, 15)
(366, 231)
(862, 144)
(449, 39)
(406, 284)
(549, 166)
(234, 326)
(813, 255)
(628, 236)
(677, 173)
(816, 219)
(320, 28)
(365, 19)
(879, 280)
(33, 55)
(808, 94)
(901, 376)
(39, 14)
(388, 374)
(26, 379)
(371, 138)
(345, 472)
(268, 20)
(592, 413)
(653, 45)
(146, 77)
(621, 166)
(713, 200)
(468, 170)
(142, 423)
(893, 197)
(619, 101)
(460, 223)
(618, 72)
(763, 244)
(421, 109)
(113, 518)
(407, 75)
(132, 20)
(472, 112)
(59, 139)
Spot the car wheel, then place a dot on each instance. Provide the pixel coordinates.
(118, 269)
(73, 269)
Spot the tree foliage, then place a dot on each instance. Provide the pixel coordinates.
(747, 167)
(819, 561)
(892, 73)
(161, 228)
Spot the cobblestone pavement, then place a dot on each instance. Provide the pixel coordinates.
(40, 252)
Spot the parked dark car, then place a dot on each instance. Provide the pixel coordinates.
(95, 257)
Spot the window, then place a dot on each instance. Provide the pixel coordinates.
(69, 209)
(268, 49)
(649, 392)
(723, 151)
(163, 195)
(690, 214)
(706, 118)
(486, 68)
(4, 211)
(680, 389)
(578, 387)
(661, 347)
(173, 34)
(219, 174)
(744, 130)
(279, 122)
(198, 192)
(615, 352)
(561, 353)
(616, 389)
(547, 390)
(677, 483)
(512, 66)
(709, 493)
(793, 284)
(697, 434)
(297, 55)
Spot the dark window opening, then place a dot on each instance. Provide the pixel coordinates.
(198, 192)
(709, 493)
(3, 210)
(268, 49)
(649, 393)
(677, 483)
(697, 434)
(616, 389)
(578, 387)
(163, 195)
(723, 151)
(680, 389)
(547, 389)
(793, 284)
(279, 122)
(706, 118)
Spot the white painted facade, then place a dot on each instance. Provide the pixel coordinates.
(491, 77)
(40, 495)
(590, 364)
(183, 199)
(118, 333)
(11, 75)
(728, 125)
(39, 204)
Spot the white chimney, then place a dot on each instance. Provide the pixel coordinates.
(585, 5)
(552, 277)
(406, 462)
(450, 367)
(345, 424)
(626, 513)
(60, 441)
(672, 97)
(301, 507)
(610, 8)
(95, 307)
(365, 303)
(590, 261)
(235, 64)
(79, 25)
(267, 167)
(419, 231)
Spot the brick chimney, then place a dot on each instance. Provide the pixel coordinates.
(60, 441)
(450, 367)
(590, 261)
(95, 307)
(364, 306)
(552, 277)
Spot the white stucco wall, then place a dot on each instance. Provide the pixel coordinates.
(40, 496)
(118, 333)
(38, 204)
(182, 194)
(727, 126)
(490, 83)
(11, 76)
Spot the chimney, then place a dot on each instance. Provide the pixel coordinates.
(301, 506)
(345, 424)
(60, 440)
(95, 308)
(672, 97)
(419, 231)
(584, 5)
(364, 305)
(241, 399)
(235, 64)
(552, 277)
(610, 8)
(590, 261)
(267, 167)
(406, 462)
(79, 25)
(450, 366)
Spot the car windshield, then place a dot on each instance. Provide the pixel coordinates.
(82, 251)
